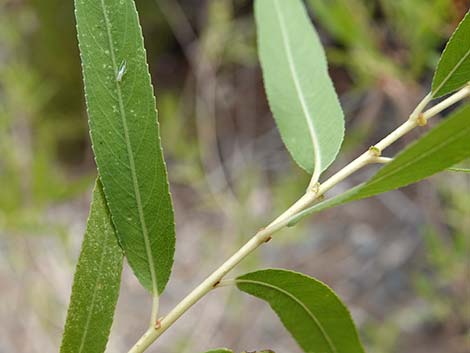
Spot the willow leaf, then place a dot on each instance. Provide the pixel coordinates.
(125, 136)
(453, 70)
(299, 90)
(96, 283)
(310, 311)
(441, 148)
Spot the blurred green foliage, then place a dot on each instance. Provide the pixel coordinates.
(40, 117)
(441, 309)
(444, 279)
(375, 40)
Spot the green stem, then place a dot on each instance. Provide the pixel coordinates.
(154, 314)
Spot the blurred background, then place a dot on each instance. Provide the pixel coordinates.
(400, 260)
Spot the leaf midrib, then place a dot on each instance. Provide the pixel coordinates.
(93, 297)
(303, 103)
(458, 169)
(361, 191)
(298, 301)
(451, 72)
(421, 156)
(130, 154)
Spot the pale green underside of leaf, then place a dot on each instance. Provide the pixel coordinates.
(310, 311)
(453, 70)
(444, 146)
(299, 90)
(125, 136)
(96, 283)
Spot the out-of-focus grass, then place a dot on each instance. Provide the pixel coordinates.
(438, 316)
(35, 127)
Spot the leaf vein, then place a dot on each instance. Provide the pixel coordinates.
(451, 72)
(130, 154)
(292, 68)
(93, 297)
(299, 302)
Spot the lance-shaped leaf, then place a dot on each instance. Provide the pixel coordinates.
(310, 311)
(125, 136)
(441, 148)
(300, 92)
(96, 283)
(453, 70)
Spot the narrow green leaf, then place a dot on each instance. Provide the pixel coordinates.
(125, 136)
(96, 283)
(299, 90)
(313, 314)
(441, 148)
(453, 70)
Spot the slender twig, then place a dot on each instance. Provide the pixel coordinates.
(154, 314)
(310, 196)
(446, 103)
(382, 160)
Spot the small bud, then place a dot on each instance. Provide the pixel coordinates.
(376, 152)
(421, 120)
(315, 188)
